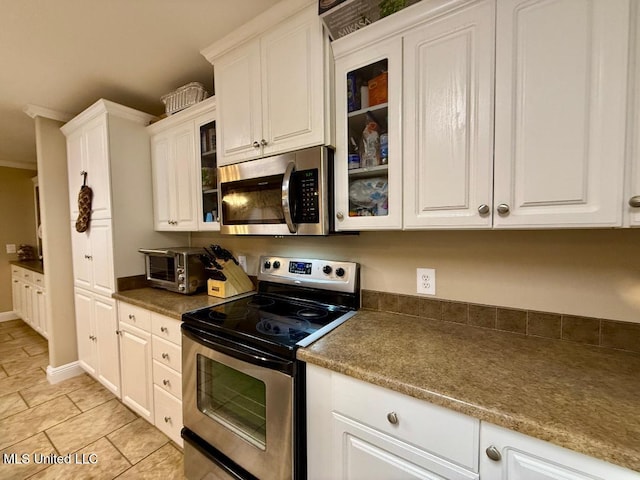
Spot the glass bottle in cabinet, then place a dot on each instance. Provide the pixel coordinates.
(368, 164)
(209, 213)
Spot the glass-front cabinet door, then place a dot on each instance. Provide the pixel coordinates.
(209, 214)
(368, 163)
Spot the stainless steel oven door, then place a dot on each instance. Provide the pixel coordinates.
(242, 409)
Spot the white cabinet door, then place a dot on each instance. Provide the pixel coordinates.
(292, 85)
(632, 197)
(27, 303)
(97, 166)
(561, 70)
(163, 184)
(16, 295)
(525, 458)
(75, 166)
(85, 331)
(356, 190)
(100, 259)
(36, 314)
(238, 93)
(173, 171)
(108, 360)
(81, 251)
(135, 359)
(447, 119)
(42, 311)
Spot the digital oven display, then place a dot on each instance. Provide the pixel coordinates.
(302, 268)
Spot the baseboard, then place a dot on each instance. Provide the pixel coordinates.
(58, 374)
(6, 316)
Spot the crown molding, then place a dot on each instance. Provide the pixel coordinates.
(36, 111)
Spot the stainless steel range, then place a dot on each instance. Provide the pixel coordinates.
(243, 389)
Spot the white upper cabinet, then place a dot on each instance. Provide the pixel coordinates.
(271, 84)
(632, 197)
(561, 85)
(448, 120)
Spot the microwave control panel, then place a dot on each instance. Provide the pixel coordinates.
(307, 210)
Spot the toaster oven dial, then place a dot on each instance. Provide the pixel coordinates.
(181, 278)
(180, 270)
(181, 287)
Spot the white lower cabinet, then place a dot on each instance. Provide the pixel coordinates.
(151, 357)
(520, 457)
(28, 296)
(359, 431)
(97, 334)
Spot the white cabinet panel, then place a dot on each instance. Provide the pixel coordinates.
(185, 180)
(75, 166)
(168, 414)
(135, 360)
(526, 458)
(632, 197)
(84, 331)
(101, 257)
(163, 184)
(447, 118)
(82, 269)
(97, 166)
(561, 73)
(106, 326)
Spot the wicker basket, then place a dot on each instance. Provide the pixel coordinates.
(184, 97)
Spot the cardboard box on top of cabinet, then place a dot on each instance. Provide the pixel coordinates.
(342, 17)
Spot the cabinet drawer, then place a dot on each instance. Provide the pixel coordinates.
(38, 279)
(166, 327)
(27, 275)
(446, 433)
(168, 414)
(167, 353)
(167, 379)
(17, 272)
(136, 316)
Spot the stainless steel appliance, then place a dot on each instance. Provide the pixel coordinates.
(243, 389)
(177, 269)
(282, 195)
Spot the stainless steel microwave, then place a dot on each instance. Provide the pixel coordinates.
(286, 194)
(177, 269)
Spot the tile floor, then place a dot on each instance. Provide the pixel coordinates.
(77, 416)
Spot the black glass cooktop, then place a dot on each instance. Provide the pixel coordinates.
(265, 319)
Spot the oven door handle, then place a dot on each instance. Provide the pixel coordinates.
(286, 197)
(239, 353)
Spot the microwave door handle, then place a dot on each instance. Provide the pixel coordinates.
(153, 251)
(286, 196)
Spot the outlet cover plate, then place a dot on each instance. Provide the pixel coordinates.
(426, 281)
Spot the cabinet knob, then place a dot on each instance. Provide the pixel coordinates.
(493, 453)
(165, 382)
(39, 292)
(118, 332)
(15, 281)
(503, 209)
(26, 286)
(340, 216)
(167, 419)
(164, 329)
(483, 209)
(256, 145)
(132, 317)
(90, 257)
(393, 418)
(263, 142)
(634, 201)
(165, 356)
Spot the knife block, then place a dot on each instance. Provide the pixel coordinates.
(237, 281)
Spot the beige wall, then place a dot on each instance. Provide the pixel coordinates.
(581, 272)
(54, 201)
(17, 223)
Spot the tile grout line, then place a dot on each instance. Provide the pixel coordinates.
(131, 464)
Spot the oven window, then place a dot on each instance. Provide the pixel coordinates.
(253, 202)
(162, 268)
(232, 398)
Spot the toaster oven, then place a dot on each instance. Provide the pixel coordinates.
(177, 269)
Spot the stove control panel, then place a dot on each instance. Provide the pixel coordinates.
(312, 273)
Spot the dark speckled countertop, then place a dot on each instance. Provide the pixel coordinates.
(580, 397)
(33, 265)
(168, 303)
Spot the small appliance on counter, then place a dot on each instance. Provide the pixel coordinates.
(244, 393)
(177, 269)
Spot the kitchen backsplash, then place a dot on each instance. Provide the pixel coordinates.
(571, 328)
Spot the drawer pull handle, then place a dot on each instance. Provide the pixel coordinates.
(167, 419)
(493, 453)
(165, 356)
(164, 329)
(166, 382)
(393, 418)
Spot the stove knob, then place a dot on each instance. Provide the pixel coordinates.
(276, 264)
(327, 269)
(340, 271)
(267, 265)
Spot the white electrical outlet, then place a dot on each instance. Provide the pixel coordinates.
(426, 280)
(11, 248)
(242, 261)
